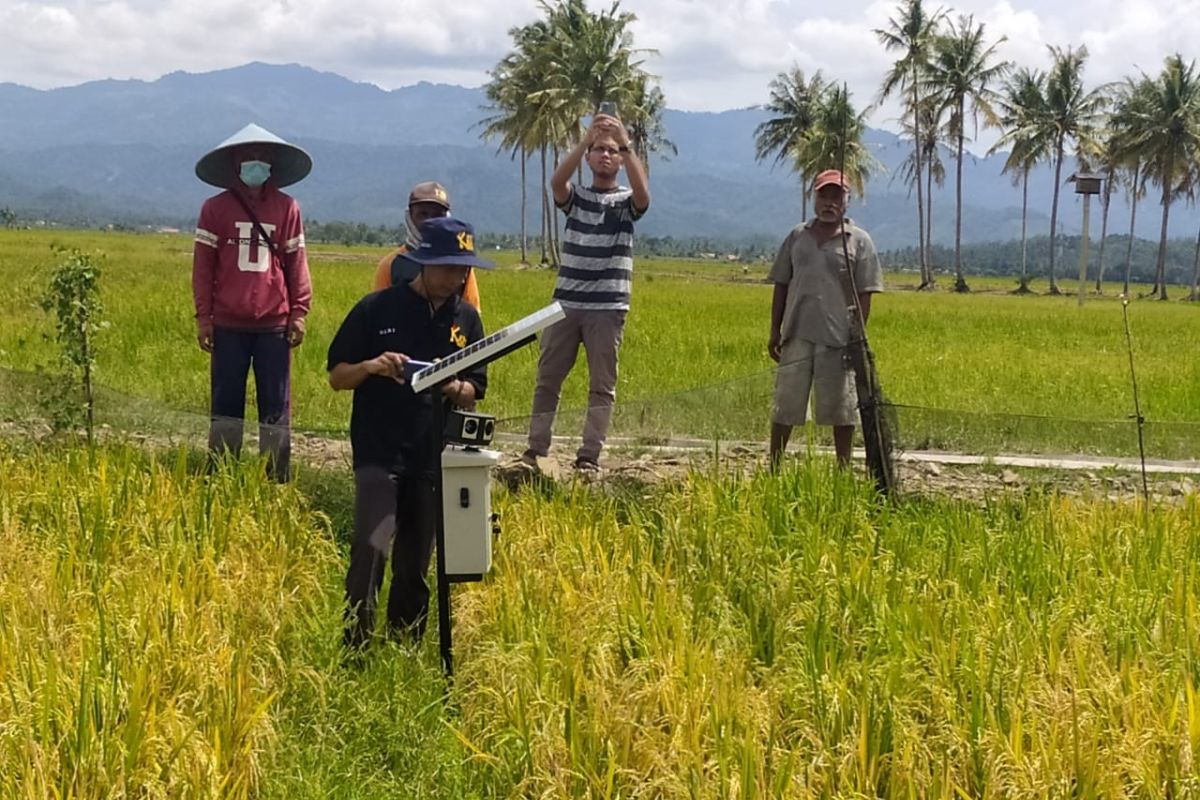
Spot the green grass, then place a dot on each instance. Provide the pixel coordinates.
(170, 633)
(975, 372)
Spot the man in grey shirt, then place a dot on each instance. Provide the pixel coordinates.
(810, 323)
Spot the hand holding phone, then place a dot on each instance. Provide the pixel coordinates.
(412, 367)
(608, 108)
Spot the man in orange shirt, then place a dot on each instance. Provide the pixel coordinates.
(426, 201)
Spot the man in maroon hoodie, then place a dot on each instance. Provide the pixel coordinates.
(251, 286)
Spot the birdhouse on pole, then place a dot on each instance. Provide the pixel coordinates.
(1086, 183)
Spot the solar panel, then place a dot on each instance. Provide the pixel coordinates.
(489, 348)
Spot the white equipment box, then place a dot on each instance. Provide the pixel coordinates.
(467, 511)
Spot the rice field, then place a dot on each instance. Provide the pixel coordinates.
(171, 630)
(986, 372)
(168, 632)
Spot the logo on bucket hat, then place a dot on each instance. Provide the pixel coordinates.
(447, 241)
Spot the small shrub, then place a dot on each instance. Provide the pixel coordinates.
(74, 298)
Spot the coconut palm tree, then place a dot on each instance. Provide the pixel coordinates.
(506, 93)
(1022, 117)
(644, 120)
(1110, 165)
(1122, 124)
(835, 141)
(1072, 116)
(933, 134)
(794, 104)
(1135, 188)
(522, 121)
(562, 67)
(933, 170)
(591, 57)
(962, 71)
(911, 33)
(1166, 134)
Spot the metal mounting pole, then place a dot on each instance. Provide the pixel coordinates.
(445, 644)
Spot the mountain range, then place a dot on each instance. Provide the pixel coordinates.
(124, 151)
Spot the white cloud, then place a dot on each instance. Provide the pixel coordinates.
(712, 54)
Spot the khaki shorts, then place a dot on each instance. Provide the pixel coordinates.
(804, 365)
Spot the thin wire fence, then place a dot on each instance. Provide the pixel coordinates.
(736, 410)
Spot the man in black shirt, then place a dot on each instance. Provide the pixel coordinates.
(395, 460)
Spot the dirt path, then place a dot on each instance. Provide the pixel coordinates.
(924, 473)
(628, 464)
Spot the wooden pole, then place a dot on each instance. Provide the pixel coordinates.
(1083, 249)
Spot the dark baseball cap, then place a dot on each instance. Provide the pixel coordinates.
(430, 192)
(450, 242)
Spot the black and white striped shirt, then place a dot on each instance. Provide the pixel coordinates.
(597, 258)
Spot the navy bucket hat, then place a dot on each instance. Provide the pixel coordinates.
(448, 242)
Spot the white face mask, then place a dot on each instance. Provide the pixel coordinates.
(254, 173)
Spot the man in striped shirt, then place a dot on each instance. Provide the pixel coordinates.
(594, 283)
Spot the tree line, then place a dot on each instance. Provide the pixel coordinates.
(746, 248)
(1004, 257)
(561, 68)
(1139, 133)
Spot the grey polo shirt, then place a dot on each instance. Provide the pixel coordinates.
(816, 306)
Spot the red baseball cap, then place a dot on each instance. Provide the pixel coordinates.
(831, 176)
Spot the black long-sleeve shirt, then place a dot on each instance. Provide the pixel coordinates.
(389, 424)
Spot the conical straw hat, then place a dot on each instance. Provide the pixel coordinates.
(289, 163)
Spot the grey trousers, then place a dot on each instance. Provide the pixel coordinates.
(395, 512)
(600, 333)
